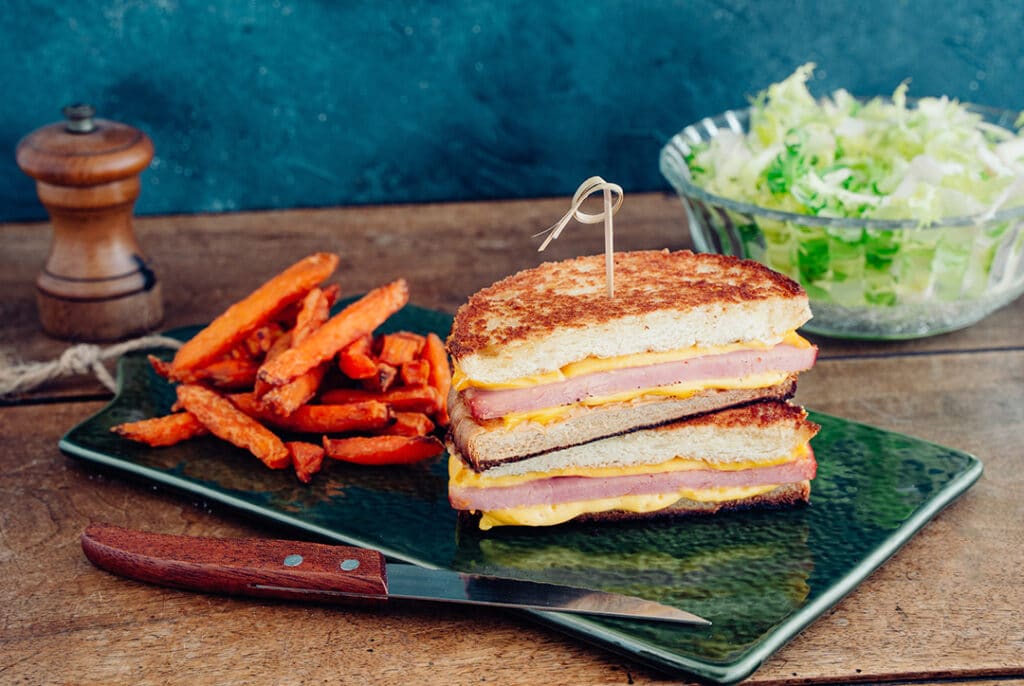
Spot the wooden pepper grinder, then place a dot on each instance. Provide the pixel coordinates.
(96, 284)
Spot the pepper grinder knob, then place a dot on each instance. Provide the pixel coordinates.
(79, 118)
(96, 284)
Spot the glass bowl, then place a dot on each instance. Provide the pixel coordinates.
(867, 279)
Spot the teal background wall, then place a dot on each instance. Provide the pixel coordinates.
(298, 103)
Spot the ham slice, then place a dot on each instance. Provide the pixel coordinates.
(566, 489)
(491, 404)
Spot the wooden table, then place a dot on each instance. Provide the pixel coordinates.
(949, 606)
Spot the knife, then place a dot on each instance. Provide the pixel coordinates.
(335, 573)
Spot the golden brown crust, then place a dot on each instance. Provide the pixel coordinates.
(572, 293)
(758, 415)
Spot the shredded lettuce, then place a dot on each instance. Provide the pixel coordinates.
(882, 159)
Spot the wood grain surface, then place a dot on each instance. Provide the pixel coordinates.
(947, 608)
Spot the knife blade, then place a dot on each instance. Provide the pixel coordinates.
(296, 570)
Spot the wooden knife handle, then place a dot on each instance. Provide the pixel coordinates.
(241, 566)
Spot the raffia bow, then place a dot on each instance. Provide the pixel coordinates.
(586, 189)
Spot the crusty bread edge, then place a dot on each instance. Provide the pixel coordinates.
(679, 299)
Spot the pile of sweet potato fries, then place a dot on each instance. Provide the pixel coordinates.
(277, 362)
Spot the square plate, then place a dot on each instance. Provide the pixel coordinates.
(760, 577)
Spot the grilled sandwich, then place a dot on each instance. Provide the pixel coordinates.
(551, 372)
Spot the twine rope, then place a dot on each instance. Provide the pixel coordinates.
(592, 185)
(82, 358)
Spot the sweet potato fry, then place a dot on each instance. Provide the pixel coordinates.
(362, 416)
(332, 292)
(230, 374)
(287, 316)
(261, 340)
(162, 431)
(284, 400)
(307, 459)
(404, 398)
(382, 379)
(253, 311)
(312, 314)
(382, 450)
(226, 421)
(366, 415)
(358, 319)
(415, 373)
(440, 375)
(398, 348)
(280, 345)
(410, 424)
(239, 352)
(355, 360)
(162, 368)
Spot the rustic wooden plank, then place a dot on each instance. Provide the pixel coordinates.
(948, 605)
(446, 251)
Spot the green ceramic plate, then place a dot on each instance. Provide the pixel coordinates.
(760, 577)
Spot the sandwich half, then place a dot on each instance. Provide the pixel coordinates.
(753, 455)
(546, 362)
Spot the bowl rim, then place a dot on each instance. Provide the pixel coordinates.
(677, 172)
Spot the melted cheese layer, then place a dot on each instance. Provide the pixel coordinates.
(683, 389)
(592, 365)
(460, 474)
(548, 515)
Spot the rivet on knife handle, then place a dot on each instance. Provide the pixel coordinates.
(254, 567)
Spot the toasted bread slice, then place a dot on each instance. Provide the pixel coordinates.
(757, 432)
(489, 444)
(541, 319)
